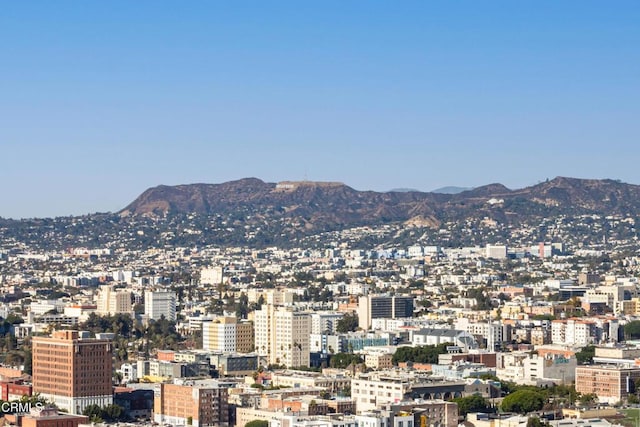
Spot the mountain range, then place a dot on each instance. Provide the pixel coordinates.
(254, 213)
(333, 205)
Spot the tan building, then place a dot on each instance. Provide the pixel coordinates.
(430, 412)
(111, 301)
(201, 404)
(378, 361)
(617, 352)
(540, 336)
(227, 335)
(247, 414)
(297, 379)
(271, 296)
(282, 335)
(610, 383)
(73, 372)
(630, 307)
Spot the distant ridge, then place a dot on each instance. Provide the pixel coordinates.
(451, 190)
(254, 213)
(315, 206)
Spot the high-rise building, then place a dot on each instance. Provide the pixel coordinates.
(383, 307)
(160, 303)
(226, 334)
(111, 301)
(73, 372)
(282, 335)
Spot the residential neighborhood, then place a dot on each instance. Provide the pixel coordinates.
(344, 335)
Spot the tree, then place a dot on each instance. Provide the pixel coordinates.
(523, 401)
(342, 360)
(473, 403)
(420, 354)
(94, 412)
(257, 423)
(112, 413)
(585, 356)
(348, 323)
(242, 306)
(14, 319)
(534, 422)
(632, 330)
(28, 359)
(588, 399)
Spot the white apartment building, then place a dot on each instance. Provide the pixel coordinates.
(557, 365)
(549, 364)
(580, 332)
(325, 322)
(385, 419)
(44, 306)
(160, 303)
(370, 391)
(314, 421)
(584, 331)
(431, 336)
(492, 332)
(211, 276)
(510, 366)
(282, 335)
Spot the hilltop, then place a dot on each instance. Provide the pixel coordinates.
(251, 212)
(319, 204)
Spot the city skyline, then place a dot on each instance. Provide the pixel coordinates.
(102, 101)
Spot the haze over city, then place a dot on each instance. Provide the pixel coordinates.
(103, 100)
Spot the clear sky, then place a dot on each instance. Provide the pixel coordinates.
(100, 100)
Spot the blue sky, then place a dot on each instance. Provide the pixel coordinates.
(101, 100)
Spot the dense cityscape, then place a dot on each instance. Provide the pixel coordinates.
(319, 214)
(398, 324)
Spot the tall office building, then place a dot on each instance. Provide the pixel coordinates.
(111, 301)
(160, 303)
(227, 335)
(73, 372)
(383, 307)
(282, 335)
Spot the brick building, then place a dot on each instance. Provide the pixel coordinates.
(73, 371)
(610, 383)
(201, 403)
